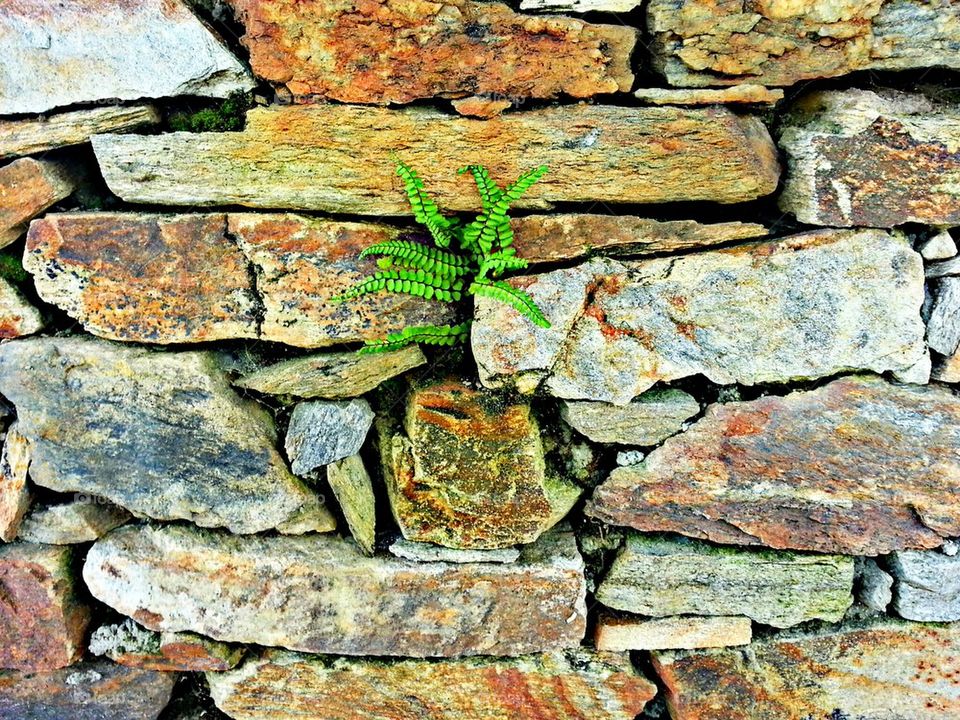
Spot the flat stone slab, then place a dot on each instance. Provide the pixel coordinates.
(328, 50)
(146, 49)
(567, 685)
(648, 420)
(745, 94)
(80, 521)
(336, 158)
(858, 466)
(428, 552)
(884, 670)
(319, 594)
(703, 42)
(18, 317)
(129, 644)
(27, 188)
(927, 586)
(880, 159)
(804, 306)
(617, 634)
(661, 577)
(161, 434)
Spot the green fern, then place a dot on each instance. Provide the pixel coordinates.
(410, 254)
(426, 334)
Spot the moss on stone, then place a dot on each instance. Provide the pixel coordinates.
(229, 116)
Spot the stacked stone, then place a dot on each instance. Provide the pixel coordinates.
(735, 452)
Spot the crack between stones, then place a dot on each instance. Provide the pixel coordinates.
(254, 273)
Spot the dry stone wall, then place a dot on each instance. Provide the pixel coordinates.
(723, 484)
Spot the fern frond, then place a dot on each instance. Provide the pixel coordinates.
(408, 282)
(490, 192)
(425, 210)
(500, 262)
(492, 226)
(426, 334)
(514, 297)
(411, 254)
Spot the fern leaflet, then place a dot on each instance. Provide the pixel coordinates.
(426, 334)
(410, 254)
(425, 210)
(409, 282)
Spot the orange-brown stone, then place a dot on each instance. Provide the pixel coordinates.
(27, 188)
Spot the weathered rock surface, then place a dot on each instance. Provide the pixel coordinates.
(941, 246)
(147, 49)
(883, 670)
(737, 94)
(943, 326)
(874, 586)
(129, 644)
(470, 472)
(94, 690)
(880, 159)
(27, 188)
(927, 585)
(80, 521)
(17, 316)
(318, 593)
(27, 136)
(193, 278)
(314, 517)
(660, 577)
(748, 314)
(14, 490)
(703, 42)
(329, 50)
(324, 431)
(161, 434)
(332, 376)
(566, 236)
(648, 420)
(336, 158)
(580, 6)
(480, 106)
(945, 268)
(351, 485)
(948, 370)
(565, 685)
(858, 466)
(42, 618)
(428, 552)
(618, 634)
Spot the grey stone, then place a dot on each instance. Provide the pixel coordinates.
(81, 521)
(428, 552)
(941, 246)
(351, 485)
(647, 420)
(322, 432)
(943, 327)
(927, 587)
(874, 585)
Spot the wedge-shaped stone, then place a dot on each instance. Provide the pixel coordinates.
(648, 420)
(859, 157)
(875, 672)
(805, 306)
(81, 521)
(161, 434)
(858, 466)
(661, 577)
(319, 594)
(356, 53)
(324, 431)
(27, 188)
(14, 490)
(142, 49)
(42, 617)
(351, 485)
(567, 685)
(17, 316)
(469, 471)
(780, 42)
(337, 158)
(688, 632)
(129, 644)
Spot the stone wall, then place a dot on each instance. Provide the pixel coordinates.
(723, 484)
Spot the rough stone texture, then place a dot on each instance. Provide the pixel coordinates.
(80, 521)
(17, 316)
(470, 472)
(96, 690)
(14, 490)
(648, 420)
(362, 53)
(314, 517)
(27, 188)
(660, 577)
(580, 6)
(332, 376)
(941, 246)
(618, 634)
(748, 314)
(566, 236)
(948, 370)
(198, 278)
(738, 94)
(859, 157)
(943, 326)
(428, 552)
(858, 466)
(336, 158)
(318, 593)
(780, 42)
(129, 644)
(324, 431)
(100, 50)
(42, 618)
(879, 672)
(927, 585)
(874, 586)
(943, 269)
(480, 106)
(568, 685)
(351, 485)
(161, 434)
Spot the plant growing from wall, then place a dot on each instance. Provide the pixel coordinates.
(463, 260)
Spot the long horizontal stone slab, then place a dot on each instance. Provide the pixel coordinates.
(320, 594)
(337, 158)
(804, 306)
(880, 159)
(85, 52)
(859, 466)
(330, 50)
(874, 672)
(568, 685)
(704, 42)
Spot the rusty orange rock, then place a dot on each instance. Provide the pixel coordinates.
(27, 188)
(17, 316)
